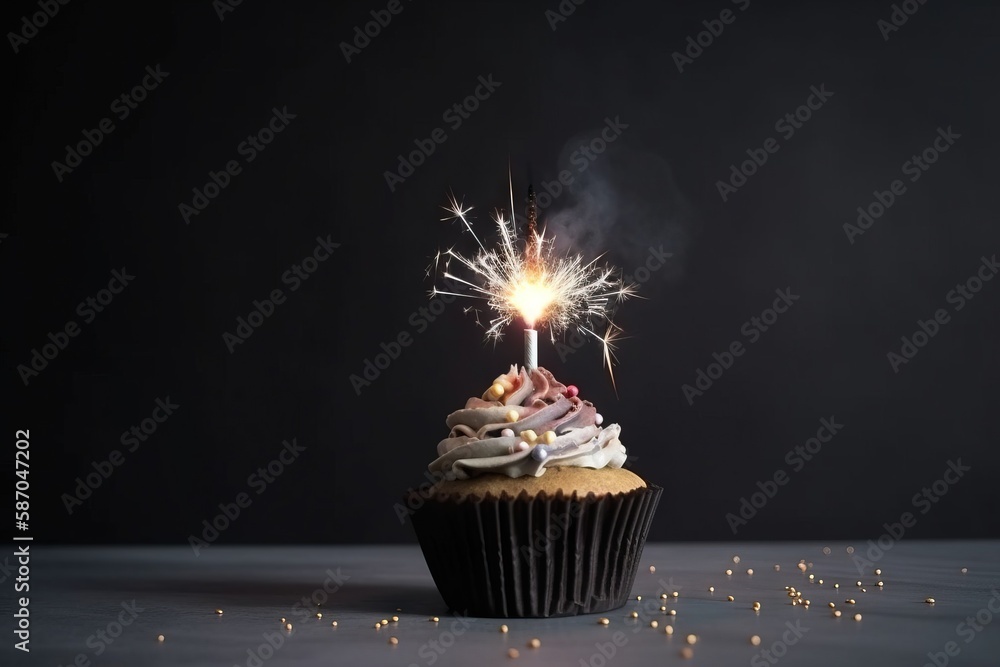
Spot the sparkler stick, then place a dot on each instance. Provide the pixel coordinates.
(533, 284)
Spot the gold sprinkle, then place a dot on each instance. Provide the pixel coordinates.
(288, 626)
(798, 594)
(385, 621)
(512, 416)
(729, 573)
(795, 602)
(831, 605)
(864, 590)
(730, 598)
(334, 624)
(857, 617)
(219, 612)
(669, 629)
(756, 606)
(393, 641)
(603, 621)
(433, 619)
(750, 571)
(836, 614)
(675, 594)
(880, 584)
(687, 653)
(803, 567)
(820, 582)
(652, 568)
(535, 642)
(663, 596)
(638, 597)
(395, 619)
(673, 612)
(378, 625)
(736, 559)
(319, 615)
(653, 624)
(634, 614)
(858, 584)
(691, 639)
(711, 589)
(663, 609)
(755, 640)
(503, 628)
(836, 585)
(850, 601)
(282, 619)
(930, 600)
(777, 568)
(811, 577)
(805, 603)
(878, 572)
(160, 638)
(513, 654)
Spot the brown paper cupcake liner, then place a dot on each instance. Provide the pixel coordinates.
(545, 556)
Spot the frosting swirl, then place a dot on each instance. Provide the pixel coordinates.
(526, 422)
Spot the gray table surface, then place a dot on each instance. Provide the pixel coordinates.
(78, 593)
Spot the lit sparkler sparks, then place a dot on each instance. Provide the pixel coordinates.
(525, 278)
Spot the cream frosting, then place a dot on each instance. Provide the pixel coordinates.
(483, 440)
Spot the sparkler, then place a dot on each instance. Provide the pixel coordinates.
(526, 279)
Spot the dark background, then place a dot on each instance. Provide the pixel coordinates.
(654, 186)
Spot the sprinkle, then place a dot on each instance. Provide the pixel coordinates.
(503, 628)
(711, 589)
(750, 571)
(319, 615)
(512, 653)
(756, 606)
(497, 390)
(965, 570)
(653, 624)
(663, 609)
(219, 612)
(820, 582)
(638, 597)
(736, 559)
(282, 619)
(691, 639)
(730, 598)
(433, 619)
(687, 653)
(507, 433)
(539, 453)
(836, 585)
(288, 626)
(850, 601)
(393, 641)
(598, 419)
(634, 614)
(160, 638)
(831, 605)
(395, 619)
(811, 577)
(826, 551)
(385, 621)
(777, 568)
(663, 596)
(652, 568)
(512, 416)
(836, 614)
(857, 617)
(535, 642)
(603, 621)
(850, 550)
(805, 603)
(858, 584)
(930, 600)
(378, 625)
(571, 391)
(878, 572)
(672, 612)
(803, 567)
(675, 594)
(864, 590)
(334, 624)
(729, 573)
(529, 436)
(669, 629)
(880, 584)
(755, 640)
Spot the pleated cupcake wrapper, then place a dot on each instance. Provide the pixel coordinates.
(534, 558)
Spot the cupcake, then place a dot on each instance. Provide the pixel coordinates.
(532, 514)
